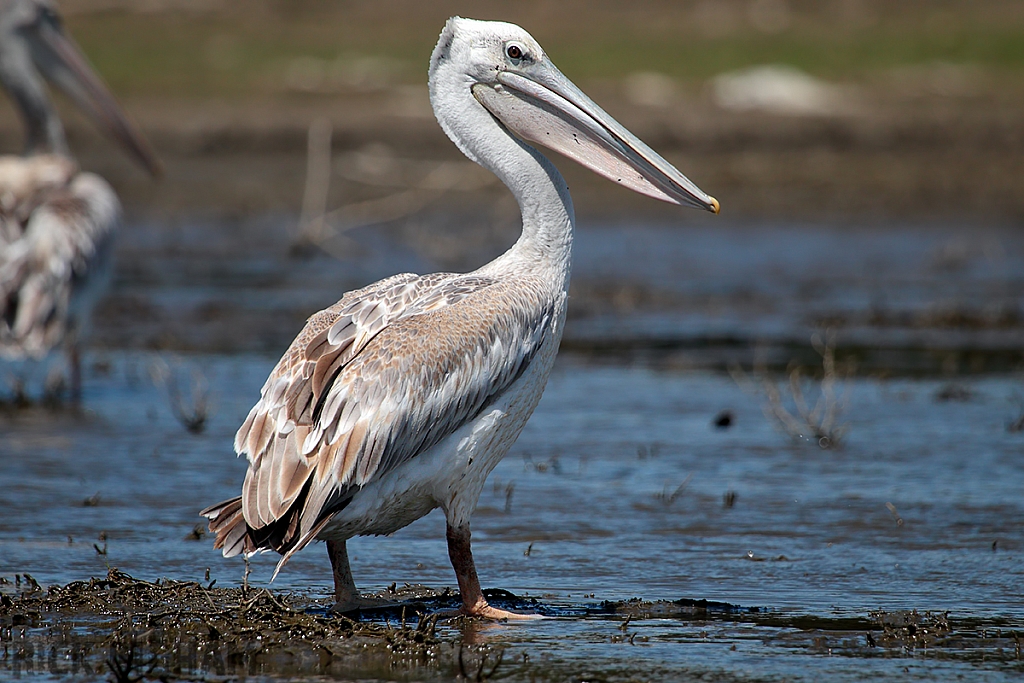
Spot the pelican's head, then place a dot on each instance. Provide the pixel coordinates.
(33, 43)
(509, 74)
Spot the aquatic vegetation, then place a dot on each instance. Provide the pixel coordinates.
(17, 398)
(1016, 425)
(53, 396)
(192, 413)
(667, 498)
(482, 672)
(126, 629)
(176, 629)
(786, 403)
(953, 392)
(909, 628)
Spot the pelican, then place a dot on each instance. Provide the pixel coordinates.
(404, 395)
(56, 223)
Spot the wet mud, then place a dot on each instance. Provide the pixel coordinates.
(169, 630)
(126, 629)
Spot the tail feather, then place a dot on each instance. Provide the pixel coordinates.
(235, 536)
(228, 523)
(235, 541)
(299, 545)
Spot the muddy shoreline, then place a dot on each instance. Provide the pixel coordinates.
(926, 158)
(128, 629)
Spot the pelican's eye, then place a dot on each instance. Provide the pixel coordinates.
(514, 52)
(49, 14)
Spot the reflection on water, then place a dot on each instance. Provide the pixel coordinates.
(620, 486)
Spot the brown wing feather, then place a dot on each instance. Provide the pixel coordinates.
(287, 399)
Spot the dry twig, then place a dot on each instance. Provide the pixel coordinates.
(417, 183)
(318, 182)
(194, 413)
(819, 423)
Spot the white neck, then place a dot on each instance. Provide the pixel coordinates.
(45, 134)
(540, 190)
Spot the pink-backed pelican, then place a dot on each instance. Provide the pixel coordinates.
(56, 223)
(404, 395)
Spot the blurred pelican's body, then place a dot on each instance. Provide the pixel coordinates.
(56, 223)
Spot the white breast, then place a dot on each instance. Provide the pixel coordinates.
(451, 474)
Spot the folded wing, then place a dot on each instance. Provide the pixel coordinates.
(370, 383)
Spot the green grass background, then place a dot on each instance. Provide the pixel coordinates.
(243, 48)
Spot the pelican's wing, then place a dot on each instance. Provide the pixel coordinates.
(372, 382)
(62, 237)
(359, 316)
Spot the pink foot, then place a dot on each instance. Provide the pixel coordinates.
(474, 604)
(487, 612)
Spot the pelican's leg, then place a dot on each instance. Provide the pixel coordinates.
(75, 368)
(345, 592)
(473, 601)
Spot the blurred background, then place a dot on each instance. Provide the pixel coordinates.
(854, 116)
(785, 108)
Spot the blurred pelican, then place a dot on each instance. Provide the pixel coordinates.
(404, 395)
(56, 223)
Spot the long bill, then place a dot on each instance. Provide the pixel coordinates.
(61, 62)
(542, 106)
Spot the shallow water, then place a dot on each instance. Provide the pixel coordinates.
(619, 487)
